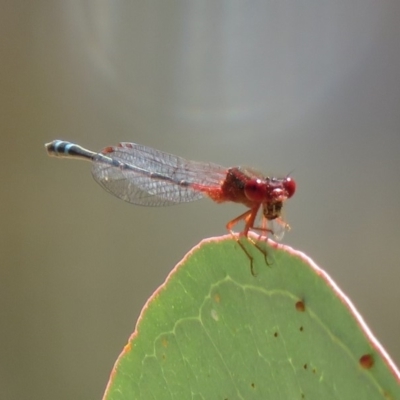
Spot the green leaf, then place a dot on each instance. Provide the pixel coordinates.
(215, 331)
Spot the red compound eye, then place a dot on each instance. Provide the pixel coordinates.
(255, 190)
(290, 187)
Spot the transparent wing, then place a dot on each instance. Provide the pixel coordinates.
(146, 176)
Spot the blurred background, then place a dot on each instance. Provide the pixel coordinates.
(310, 87)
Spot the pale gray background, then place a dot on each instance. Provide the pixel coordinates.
(310, 87)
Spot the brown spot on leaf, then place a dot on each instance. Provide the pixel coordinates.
(305, 366)
(276, 334)
(217, 298)
(164, 342)
(300, 306)
(366, 361)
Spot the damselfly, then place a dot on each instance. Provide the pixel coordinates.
(145, 176)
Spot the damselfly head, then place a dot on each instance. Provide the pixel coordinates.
(281, 188)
